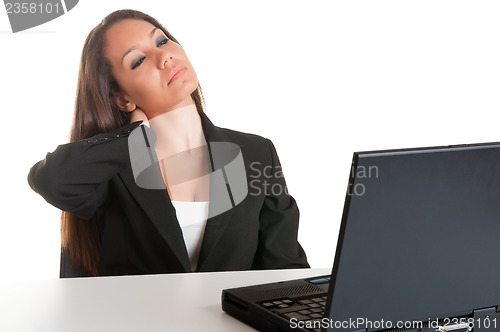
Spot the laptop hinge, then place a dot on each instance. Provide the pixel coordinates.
(487, 319)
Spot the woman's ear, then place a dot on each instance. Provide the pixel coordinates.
(123, 102)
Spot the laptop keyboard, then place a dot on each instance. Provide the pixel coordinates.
(306, 309)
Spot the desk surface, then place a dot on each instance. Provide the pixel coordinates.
(168, 302)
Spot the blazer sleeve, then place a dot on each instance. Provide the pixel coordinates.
(279, 222)
(75, 176)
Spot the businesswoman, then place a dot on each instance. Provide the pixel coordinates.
(147, 183)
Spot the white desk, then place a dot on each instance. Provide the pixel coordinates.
(169, 302)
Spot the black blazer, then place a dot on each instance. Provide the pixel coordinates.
(138, 228)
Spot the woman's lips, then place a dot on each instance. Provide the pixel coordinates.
(177, 73)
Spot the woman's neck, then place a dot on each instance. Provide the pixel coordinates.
(178, 130)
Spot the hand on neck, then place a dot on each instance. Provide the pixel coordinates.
(177, 130)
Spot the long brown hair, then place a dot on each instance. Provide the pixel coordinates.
(96, 112)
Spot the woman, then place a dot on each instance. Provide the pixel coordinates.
(148, 184)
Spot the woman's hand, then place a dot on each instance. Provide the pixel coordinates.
(138, 115)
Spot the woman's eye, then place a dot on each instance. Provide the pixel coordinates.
(161, 42)
(138, 62)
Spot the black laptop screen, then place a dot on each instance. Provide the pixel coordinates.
(420, 237)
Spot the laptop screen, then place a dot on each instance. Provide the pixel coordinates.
(420, 238)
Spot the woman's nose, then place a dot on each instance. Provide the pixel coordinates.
(165, 60)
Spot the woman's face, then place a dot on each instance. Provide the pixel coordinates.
(153, 71)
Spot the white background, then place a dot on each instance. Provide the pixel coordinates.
(321, 80)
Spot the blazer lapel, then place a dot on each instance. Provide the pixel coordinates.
(157, 205)
(217, 224)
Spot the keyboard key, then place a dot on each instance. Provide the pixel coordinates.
(287, 301)
(295, 315)
(289, 309)
(305, 301)
(305, 312)
(267, 304)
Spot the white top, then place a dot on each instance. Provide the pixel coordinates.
(192, 218)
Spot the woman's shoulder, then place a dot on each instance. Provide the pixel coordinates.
(254, 147)
(243, 138)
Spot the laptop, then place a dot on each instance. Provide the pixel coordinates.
(418, 250)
